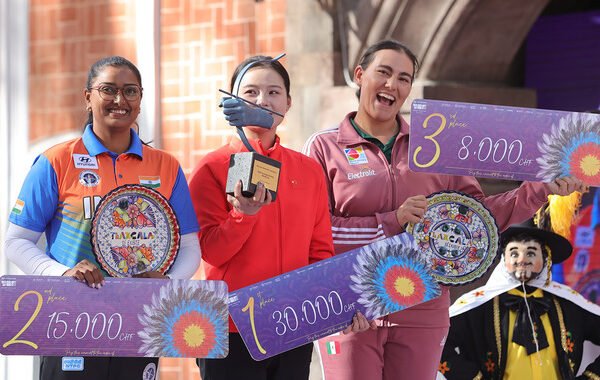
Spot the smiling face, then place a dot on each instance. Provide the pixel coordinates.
(117, 112)
(523, 259)
(384, 84)
(265, 87)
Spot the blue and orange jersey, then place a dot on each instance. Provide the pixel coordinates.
(66, 183)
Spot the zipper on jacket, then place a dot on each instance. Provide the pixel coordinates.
(390, 167)
(280, 224)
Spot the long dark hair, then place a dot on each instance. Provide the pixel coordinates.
(266, 62)
(369, 55)
(98, 66)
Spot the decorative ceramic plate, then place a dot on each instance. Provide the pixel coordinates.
(458, 237)
(134, 230)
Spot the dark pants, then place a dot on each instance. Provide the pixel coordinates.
(100, 368)
(290, 365)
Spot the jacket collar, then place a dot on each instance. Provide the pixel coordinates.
(348, 136)
(236, 144)
(95, 147)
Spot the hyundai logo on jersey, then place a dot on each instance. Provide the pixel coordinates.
(85, 161)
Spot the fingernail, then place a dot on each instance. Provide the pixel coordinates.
(98, 286)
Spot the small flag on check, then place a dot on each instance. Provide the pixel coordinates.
(333, 348)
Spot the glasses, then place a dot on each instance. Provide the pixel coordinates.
(131, 92)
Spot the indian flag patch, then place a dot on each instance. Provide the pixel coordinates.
(18, 207)
(152, 182)
(333, 348)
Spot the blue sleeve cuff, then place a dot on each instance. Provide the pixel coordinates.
(182, 205)
(37, 202)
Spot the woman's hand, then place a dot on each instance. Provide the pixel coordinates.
(87, 272)
(150, 274)
(359, 324)
(412, 210)
(249, 206)
(567, 185)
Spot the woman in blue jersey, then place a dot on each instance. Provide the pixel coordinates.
(63, 185)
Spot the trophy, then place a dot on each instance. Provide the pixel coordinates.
(251, 167)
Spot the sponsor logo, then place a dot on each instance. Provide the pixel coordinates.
(152, 182)
(419, 106)
(85, 161)
(18, 207)
(89, 179)
(361, 174)
(149, 372)
(70, 363)
(356, 156)
(9, 283)
(333, 348)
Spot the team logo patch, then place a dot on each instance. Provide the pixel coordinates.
(152, 182)
(89, 179)
(70, 363)
(149, 372)
(85, 161)
(18, 207)
(356, 156)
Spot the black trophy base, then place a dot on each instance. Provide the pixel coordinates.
(252, 168)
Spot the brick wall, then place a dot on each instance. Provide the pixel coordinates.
(66, 37)
(201, 43)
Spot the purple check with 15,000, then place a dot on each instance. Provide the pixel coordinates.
(59, 316)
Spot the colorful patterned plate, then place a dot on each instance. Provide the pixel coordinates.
(134, 230)
(458, 236)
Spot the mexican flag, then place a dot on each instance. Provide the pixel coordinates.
(333, 348)
(152, 182)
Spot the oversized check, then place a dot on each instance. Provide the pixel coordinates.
(43, 315)
(301, 306)
(504, 142)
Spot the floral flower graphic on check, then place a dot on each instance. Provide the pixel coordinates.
(572, 148)
(186, 319)
(390, 278)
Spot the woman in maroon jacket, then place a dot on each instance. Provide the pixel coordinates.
(373, 194)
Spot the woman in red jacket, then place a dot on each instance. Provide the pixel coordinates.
(247, 240)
